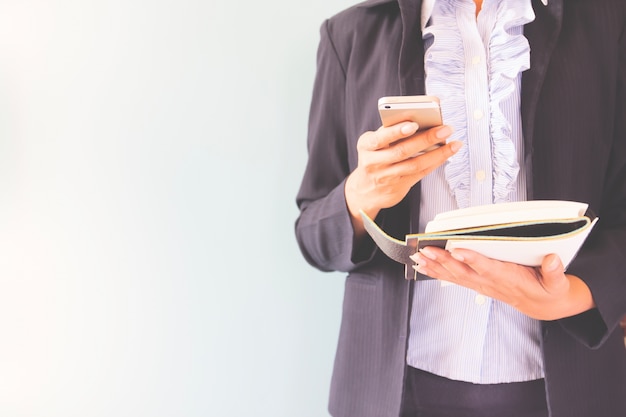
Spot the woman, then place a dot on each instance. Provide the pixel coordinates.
(533, 95)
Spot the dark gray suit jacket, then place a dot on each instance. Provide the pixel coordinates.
(574, 119)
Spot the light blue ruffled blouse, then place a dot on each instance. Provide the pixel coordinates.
(474, 65)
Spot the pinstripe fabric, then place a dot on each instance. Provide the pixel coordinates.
(476, 339)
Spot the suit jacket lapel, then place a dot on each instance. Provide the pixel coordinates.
(411, 76)
(411, 60)
(542, 35)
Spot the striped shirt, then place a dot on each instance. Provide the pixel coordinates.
(474, 64)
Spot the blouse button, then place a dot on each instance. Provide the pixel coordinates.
(480, 299)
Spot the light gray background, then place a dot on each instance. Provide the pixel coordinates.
(150, 152)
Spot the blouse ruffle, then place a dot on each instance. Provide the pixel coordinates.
(508, 54)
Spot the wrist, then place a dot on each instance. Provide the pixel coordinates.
(580, 297)
(355, 202)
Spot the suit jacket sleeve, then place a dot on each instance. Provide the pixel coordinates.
(602, 262)
(324, 229)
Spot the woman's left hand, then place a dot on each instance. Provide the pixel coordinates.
(543, 293)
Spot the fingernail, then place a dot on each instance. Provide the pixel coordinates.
(457, 256)
(428, 253)
(553, 264)
(456, 145)
(409, 128)
(443, 132)
(420, 269)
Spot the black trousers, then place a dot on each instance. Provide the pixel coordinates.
(428, 395)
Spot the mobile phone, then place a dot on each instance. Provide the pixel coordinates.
(424, 110)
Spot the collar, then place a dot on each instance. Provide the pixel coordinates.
(427, 10)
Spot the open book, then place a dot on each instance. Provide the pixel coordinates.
(521, 232)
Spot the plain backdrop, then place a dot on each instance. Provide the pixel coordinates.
(150, 153)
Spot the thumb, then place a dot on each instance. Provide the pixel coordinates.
(553, 273)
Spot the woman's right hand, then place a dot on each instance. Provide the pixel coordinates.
(390, 162)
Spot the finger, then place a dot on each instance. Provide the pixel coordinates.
(436, 136)
(477, 272)
(385, 136)
(413, 169)
(479, 263)
(427, 162)
(553, 274)
(438, 263)
(489, 275)
(420, 143)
